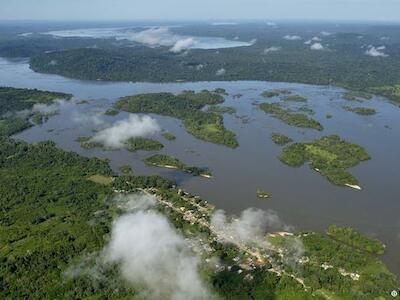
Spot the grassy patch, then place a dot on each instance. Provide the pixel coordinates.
(101, 179)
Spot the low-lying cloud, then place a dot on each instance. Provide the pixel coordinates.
(49, 108)
(220, 72)
(251, 226)
(317, 46)
(153, 37)
(271, 49)
(135, 126)
(183, 44)
(150, 253)
(292, 37)
(376, 51)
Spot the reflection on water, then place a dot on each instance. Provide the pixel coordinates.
(300, 196)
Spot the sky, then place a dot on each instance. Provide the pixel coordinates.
(330, 10)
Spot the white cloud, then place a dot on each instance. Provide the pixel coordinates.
(326, 33)
(152, 37)
(152, 254)
(376, 51)
(271, 24)
(183, 45)
(292, 37)
(316, 39)
(220, 72)
(253, 41)
(317, 46)
(121, 131)
(49, 108)
(250, 227)
(271, 49)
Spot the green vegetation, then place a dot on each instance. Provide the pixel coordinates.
(329, 155)
(132, 144)
(126, 169)
(187, 107)
(47, 202)
(139, 143)
(111, 112)
(275, 93)
(221, 109)
(360, 110)
(13, 100)
(87, 143)
(333, 266)
(166, 161)
(356, 95)
(280, 139)
(101, 179)
(306, 109)
(289, 117)
(294, 98)
(168, 136)
(12, 125)
(329, 116)
(354, 239)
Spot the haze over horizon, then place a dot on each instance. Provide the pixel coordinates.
(97, 10)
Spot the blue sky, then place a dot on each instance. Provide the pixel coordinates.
(378, 10)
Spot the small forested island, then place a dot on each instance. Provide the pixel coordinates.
(364, 111)
(167, 161)
(329, 155)
(280, 139)
(275, 93)
(262, 194)
(13, 100)
(289, 117)
(125, 169)
(169, 136)
(294, 98)
(186, 106)
(132, 144)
